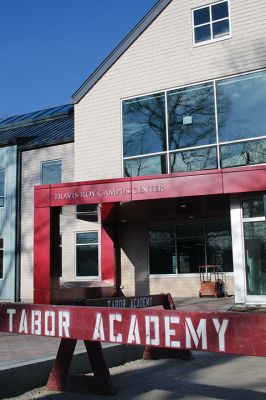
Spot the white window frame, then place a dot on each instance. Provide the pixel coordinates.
(89, 277)
(47, 162)
(211, 22)
(217, 144)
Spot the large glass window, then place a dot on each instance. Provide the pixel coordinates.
(241, 107)
(140, 166)
(51, 172)
(218, 124)
(162, 251)
(243, 153)
(144, 125)
(191, 117)
(1, 258)
(255, 246)
(211, 22)
(87, 254)
(183, 248)
(2, 187)
(219, 245)
(193, 160)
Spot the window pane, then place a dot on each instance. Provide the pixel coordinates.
(162, 257)
(193, 160)
(220, 28)
(219, 245)
(190, 248)
(245, 153)
(144, 125)
(241, 106)
(255, 256)
(87, 237)
(191, 116)
(87, 212)
(51, 172)
(145, 166)
(201, 16)
(219, 11)
(202, 33)
(87, 260)
(253, 208)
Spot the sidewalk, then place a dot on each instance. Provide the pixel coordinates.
(27, 360)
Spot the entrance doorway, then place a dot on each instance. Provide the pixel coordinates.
(255, 248)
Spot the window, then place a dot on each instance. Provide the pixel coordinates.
(51, 172)
(87, 254)
(191, 116)
(1, 258)
(211, 22)
(87, 212)
(2, 187)
(255, 245)
(217, 124)
(183, 248)
(144, 125)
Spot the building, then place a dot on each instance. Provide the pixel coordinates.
(170, 135)
(35, 148)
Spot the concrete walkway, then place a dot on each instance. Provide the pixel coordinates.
(27, 360)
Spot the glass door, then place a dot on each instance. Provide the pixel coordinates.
(255, 250)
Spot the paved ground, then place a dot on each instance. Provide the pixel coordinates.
(207, 376)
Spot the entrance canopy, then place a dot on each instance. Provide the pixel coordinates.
(50, 198)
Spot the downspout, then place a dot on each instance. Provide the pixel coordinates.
(18, 229)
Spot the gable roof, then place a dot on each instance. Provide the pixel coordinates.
(38, 129)
(119, 50)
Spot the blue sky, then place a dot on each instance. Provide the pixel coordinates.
(49, 47)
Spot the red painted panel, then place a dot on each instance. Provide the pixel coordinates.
(107, 256)
(91, 193)
(177, 186)
(246, 180)
(225, 332)
(42, 196)
(42, 249)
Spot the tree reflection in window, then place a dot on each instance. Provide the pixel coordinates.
(144, 125)
(145, 166)
(193, 160)
(191, 117)
(244, 153)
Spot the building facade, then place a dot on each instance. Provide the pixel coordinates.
(35, 148)
(184, 93)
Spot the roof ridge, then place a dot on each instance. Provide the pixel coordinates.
(119, 50)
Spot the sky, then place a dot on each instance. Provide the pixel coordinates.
(48, 48)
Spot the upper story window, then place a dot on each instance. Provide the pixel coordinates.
(217, 124)
(2, 187)
(211, 22)
(51, 172)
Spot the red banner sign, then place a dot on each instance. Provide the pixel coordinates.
(228, 332)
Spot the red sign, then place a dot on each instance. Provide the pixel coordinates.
(226, 332)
